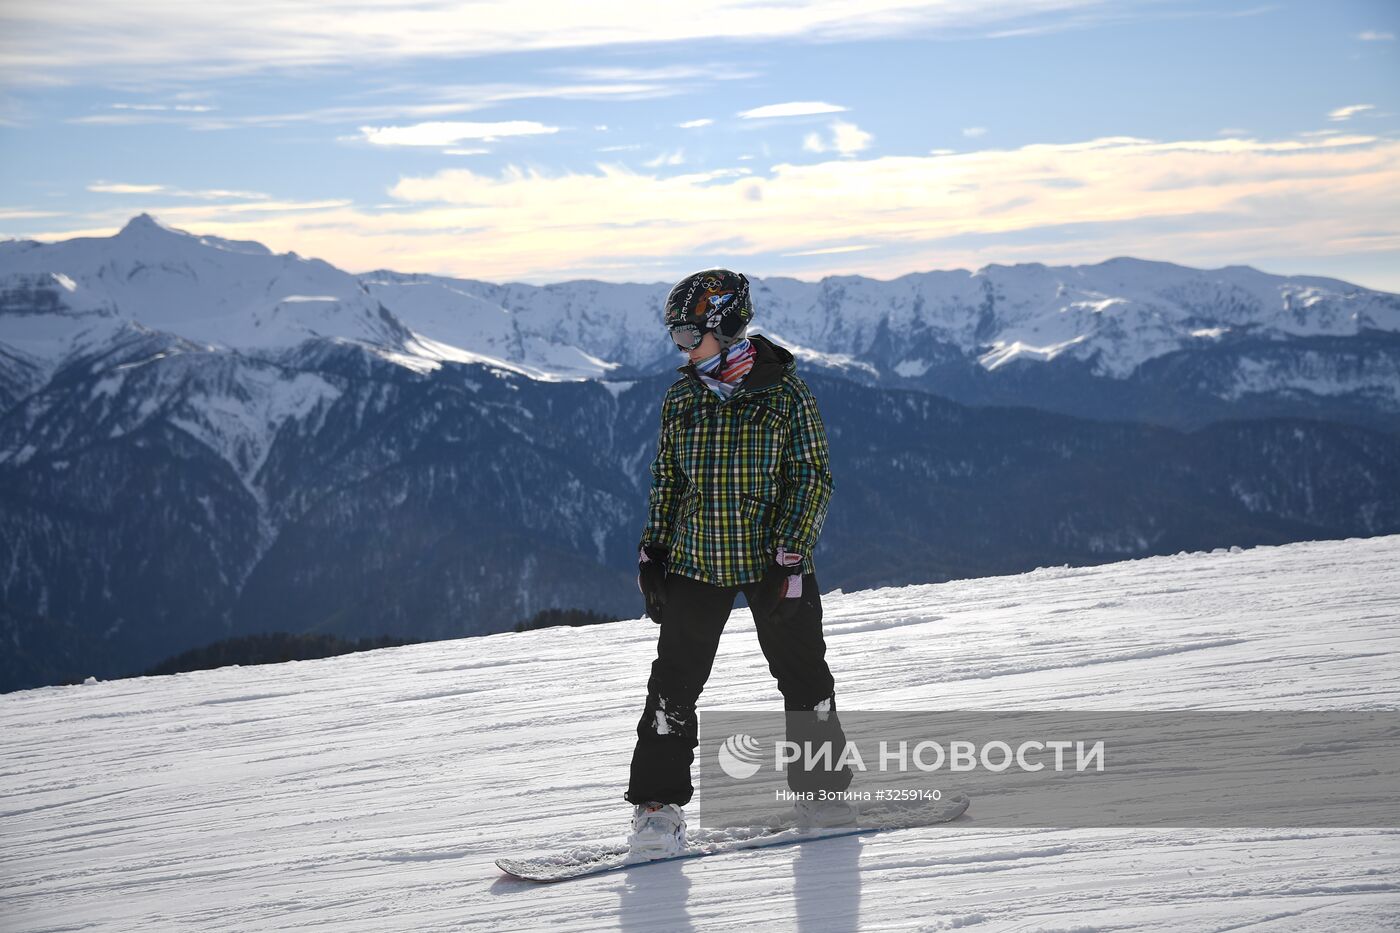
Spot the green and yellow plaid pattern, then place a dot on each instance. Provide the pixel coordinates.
(732, 481)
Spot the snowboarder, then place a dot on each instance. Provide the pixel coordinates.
(739, 490)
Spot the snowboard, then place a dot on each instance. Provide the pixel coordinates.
(587, 860)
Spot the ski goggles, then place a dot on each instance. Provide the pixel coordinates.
(687, 336)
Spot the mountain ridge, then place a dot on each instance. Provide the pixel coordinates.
(1108, 317)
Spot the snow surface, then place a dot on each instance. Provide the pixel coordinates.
(372, 792)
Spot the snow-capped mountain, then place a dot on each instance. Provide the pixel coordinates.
(1123, 338)
(1113, 316)
(1078, 339)
(372, 792)
(199, 438)
(77, 296)
(1126, 338)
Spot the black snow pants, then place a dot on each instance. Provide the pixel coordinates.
(691, 625)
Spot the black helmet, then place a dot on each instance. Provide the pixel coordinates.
(711, 300)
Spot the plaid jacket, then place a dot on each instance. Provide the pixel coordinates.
(734, 480)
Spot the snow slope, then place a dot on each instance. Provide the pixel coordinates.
(371, 792)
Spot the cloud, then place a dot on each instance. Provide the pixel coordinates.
(828, 251)
(846, 138)
(155, 39)
(441, 99)
(1205, 202)
(205, 194)
(466, 152)
(797, 108)
(972, 132)
(182, 108)
(1222, 197)
(657, 73)
(140, 114)
(446, 133)
(672, 158)
(435, 100)
(213, 194)
(205, 212)
(117, 188)
(1371, 35)
(1346, 113)
(1084, 17)
(22, 213)
(695, 124)
(135, 118)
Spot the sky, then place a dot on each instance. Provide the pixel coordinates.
(541, 142)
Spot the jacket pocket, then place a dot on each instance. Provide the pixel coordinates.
(759, 439)
(765, 419)
(754, 510)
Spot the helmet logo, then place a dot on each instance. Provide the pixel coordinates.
(713, 300)
(717, 309)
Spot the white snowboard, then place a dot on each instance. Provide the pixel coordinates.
(585, 860)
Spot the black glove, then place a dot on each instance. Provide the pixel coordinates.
(780, 591)
(652, 561)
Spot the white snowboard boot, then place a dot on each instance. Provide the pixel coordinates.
(658, 830)
(811, 814)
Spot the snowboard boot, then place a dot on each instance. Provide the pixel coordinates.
(812, 814)
(658, 830)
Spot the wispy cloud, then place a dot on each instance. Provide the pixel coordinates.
(135, 118)
(44, 42)
(1371, 35)
(658, 73)
(263, 207)
(972, 132)
(1088, 16)
(205, 194)
(447, 133)
(796, 108)
(666, 158)
(418, 102)
(695, 124)
(24, 213)
(846, 138)
(1346, 113)
(103, 187)
(828, 251)
(180, 108)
